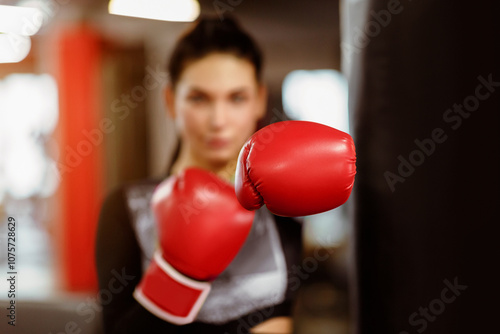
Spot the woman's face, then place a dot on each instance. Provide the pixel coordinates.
(216, 105)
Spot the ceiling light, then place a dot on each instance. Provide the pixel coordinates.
(24, 21)
(165, 10)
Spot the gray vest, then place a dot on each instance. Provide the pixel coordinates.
(255, 279)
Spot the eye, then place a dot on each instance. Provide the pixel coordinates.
(238, 98)
(197, 98)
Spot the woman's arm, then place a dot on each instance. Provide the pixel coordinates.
(118, 260)
(119, 270)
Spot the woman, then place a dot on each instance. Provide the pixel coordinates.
(216, 97)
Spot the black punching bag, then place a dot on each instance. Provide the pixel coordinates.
(424, 103)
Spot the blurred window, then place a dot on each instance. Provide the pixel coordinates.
(28, 177)
(319, 96)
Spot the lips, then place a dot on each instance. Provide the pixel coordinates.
(218, 143)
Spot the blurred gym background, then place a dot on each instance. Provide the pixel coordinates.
(412, 251)
(81, 112)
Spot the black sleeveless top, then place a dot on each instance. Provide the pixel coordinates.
(254, 288)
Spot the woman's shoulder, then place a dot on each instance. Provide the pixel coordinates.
(122, 201)
(126, 208)
(119, 193)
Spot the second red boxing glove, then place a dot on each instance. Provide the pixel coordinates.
(201, 227)
(296, 168)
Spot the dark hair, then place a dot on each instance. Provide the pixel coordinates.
(212, 35)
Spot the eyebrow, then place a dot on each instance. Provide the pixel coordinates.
(237, 90)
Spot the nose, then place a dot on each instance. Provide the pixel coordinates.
(219, 115)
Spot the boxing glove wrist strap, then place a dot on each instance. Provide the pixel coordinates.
(170, 295)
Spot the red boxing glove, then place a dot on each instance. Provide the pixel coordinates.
(296, 168)
(201, 228)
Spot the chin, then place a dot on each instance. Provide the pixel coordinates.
(220, 160)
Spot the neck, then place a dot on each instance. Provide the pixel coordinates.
(185, 159)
